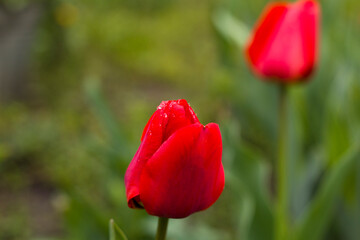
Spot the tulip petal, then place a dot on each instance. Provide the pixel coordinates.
(177, 114)
(309, 24)
(152, 140)
(264, 31)
(285, 41)
(185, 175)
(169, 117)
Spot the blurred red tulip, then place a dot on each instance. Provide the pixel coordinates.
(177, 169)
(284, 43)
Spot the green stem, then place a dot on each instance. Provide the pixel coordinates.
(161, 229)
(281, 170)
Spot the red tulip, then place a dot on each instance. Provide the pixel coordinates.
(285, 41)
(177, 169)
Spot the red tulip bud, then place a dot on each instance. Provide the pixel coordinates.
(285, 41)
(177, 169)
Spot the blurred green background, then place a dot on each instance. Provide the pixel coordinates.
(79, 80)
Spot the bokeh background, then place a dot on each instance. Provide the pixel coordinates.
(80, 78)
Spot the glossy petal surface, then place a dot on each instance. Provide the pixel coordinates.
(169, 117)
(284, 42)
(185, 175)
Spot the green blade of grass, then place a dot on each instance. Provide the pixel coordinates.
(312, 224)
(114, 230)
(231, 28)
(105, 116)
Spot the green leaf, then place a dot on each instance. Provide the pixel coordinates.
(246, 215)
(312, 224)
(253, 173)
(114, 230)
(247, 174)
(105, 117)
(231, 28)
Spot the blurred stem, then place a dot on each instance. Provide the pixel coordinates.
(281, 169)
(161, 228)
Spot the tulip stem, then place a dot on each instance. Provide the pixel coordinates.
(281, 169)
(161, 228)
